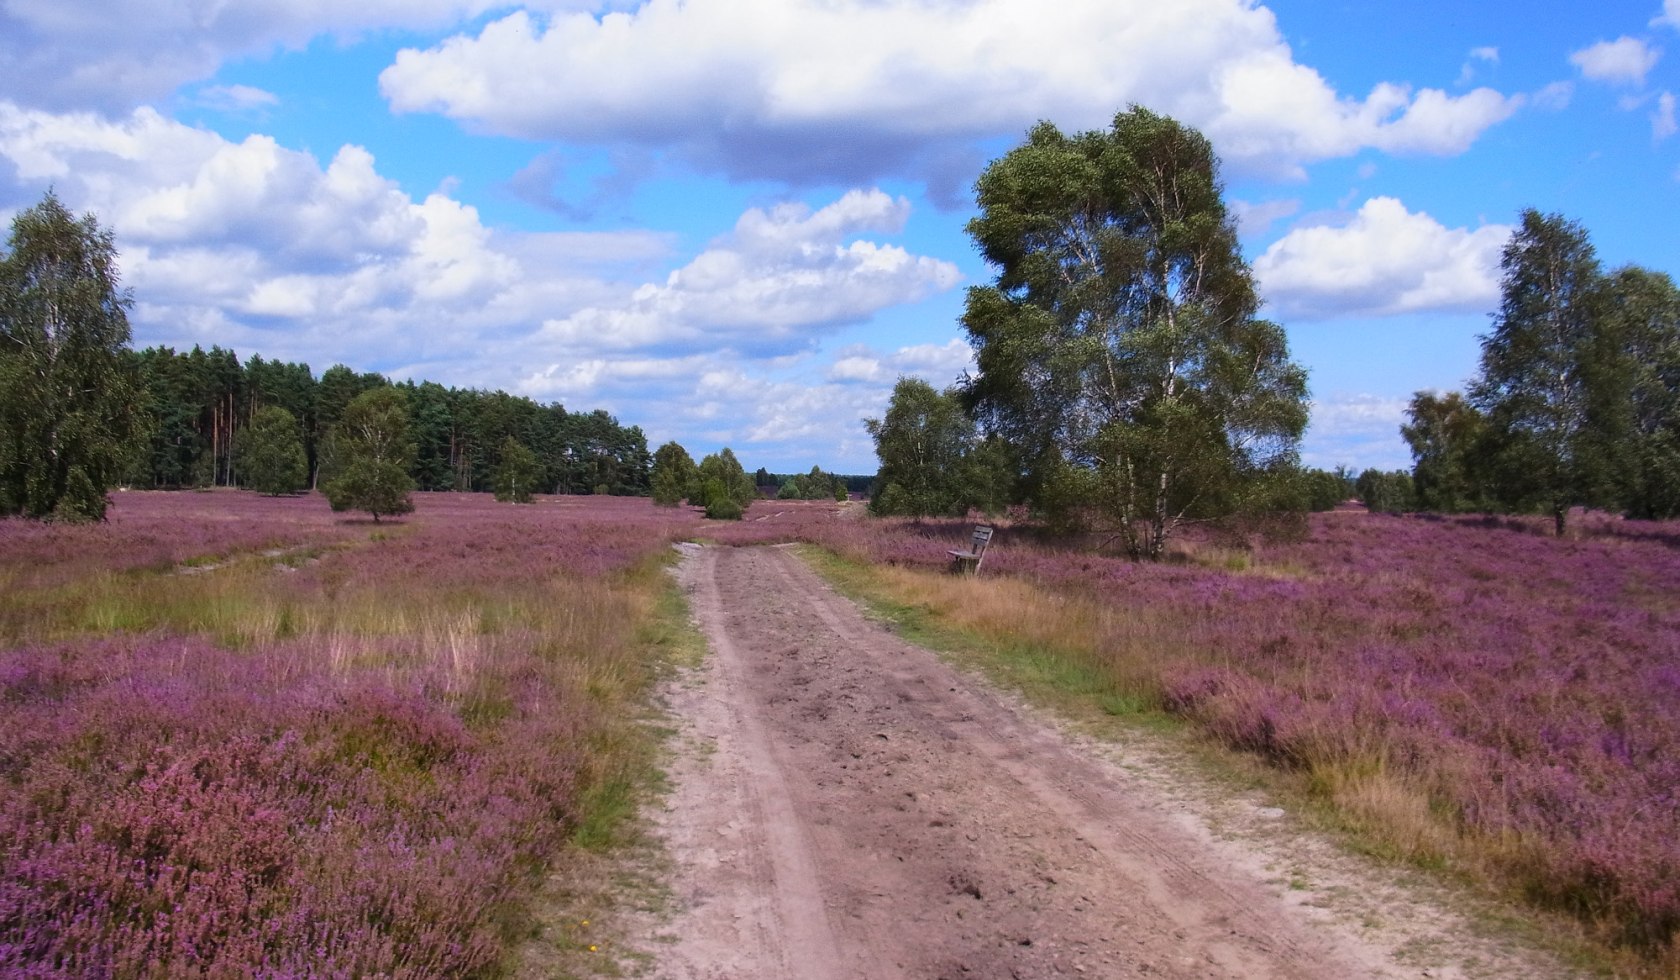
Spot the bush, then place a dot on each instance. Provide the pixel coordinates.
(723, 509)
(376, 486)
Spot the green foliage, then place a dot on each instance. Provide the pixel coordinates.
(372, 446)
(1540, 366)
(1386, 492)
(517, 473)
(932, 459)
(720, 506)
(197, 403)
(724, 486)
(1639, 406)
(1322, 490)
(70, 400)
(270, 452)
(1119, 347)
(1448, 438)
(380, 487)
(674, 476)
(815, 485)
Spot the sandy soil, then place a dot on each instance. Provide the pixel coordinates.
(845, 805)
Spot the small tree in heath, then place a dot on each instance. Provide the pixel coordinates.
(373, 446)
(517, 473)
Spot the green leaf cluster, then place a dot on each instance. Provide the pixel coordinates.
(674, 477)
(517, 472)
(270, 452)
(725, 489)
(1577, 401)
(933, 461)
(70, 402)
(374, 453)
(1119, 348)
(815, 485)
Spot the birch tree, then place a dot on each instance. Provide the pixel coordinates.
(1120, 347)
(70, 398)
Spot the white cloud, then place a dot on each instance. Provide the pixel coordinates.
(1663, 124)
(1385, 261)
(1670, 15)
(781, 279)
(1485, 55)
(937, 364)
(261, 248)
(1356, 429)
(146, 49)
(1553, 97)
(236, 98)
(1254, 217)
(1624, 61)
(264, 249)
(846, 89)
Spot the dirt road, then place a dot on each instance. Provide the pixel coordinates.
(850, 807)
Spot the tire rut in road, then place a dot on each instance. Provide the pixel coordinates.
(863, 810)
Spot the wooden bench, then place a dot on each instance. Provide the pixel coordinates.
(969, 561)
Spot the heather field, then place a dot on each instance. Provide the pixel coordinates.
(245, 735)
(1466, 692)
(240, 735)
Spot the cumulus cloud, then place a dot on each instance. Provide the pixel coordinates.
(1482, 55)
(1670, 15)
(785, 276)
(937, 364)
(1663, 124)
(1358, 429)
(1385, 261)
(1254, 217)
(147, 49)
(252, 245)
(236, 98)
(1624, 61)
(847, 89)
(1553, 97)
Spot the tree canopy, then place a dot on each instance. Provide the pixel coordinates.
(725, 489)
(674, 476)
(374, 452)
(1119, 347)
(1536, 363)
(517, 472)
(271, 452)
(69, 403)
(933, 460)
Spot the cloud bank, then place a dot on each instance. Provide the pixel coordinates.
(848, 90)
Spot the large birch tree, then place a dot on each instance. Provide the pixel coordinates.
(70, 398)
(1120, 346)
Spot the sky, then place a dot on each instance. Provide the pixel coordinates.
(738, 222)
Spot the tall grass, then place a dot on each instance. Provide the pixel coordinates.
(270, 742)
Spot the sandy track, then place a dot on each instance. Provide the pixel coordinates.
(853, 807)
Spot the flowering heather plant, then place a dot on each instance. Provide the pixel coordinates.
(1526, 689)
(350, 765)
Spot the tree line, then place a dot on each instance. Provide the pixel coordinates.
(201, 403)
(81, 411)
(1127, 384)
(1577, 399)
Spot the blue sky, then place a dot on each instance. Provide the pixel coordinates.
(737, 222)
